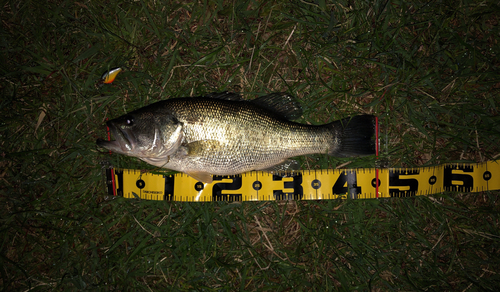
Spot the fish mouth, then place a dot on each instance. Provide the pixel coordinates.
(122, 143)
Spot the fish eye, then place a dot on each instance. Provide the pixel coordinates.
(129, 120)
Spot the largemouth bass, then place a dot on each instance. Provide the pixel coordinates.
(221, 134)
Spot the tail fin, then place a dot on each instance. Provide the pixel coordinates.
(356, 136)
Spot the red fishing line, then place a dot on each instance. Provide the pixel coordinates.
(376, 156)
(377, 145)
(112, 170)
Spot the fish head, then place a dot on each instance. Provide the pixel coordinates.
(145, 135)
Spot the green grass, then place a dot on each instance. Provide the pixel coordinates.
(429, 70)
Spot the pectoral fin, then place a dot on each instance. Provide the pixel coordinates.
(204, 177)
(203, 147)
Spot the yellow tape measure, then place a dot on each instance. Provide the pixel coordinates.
(307, 184)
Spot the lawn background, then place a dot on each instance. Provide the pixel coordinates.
(429, 70)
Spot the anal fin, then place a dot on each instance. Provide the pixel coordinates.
(285, 165)
(204, 177)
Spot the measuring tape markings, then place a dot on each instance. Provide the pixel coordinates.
(320, 184)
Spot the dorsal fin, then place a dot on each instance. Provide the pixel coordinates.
(281, 103)
(224, 95)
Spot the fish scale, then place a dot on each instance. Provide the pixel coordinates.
(246, 136)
